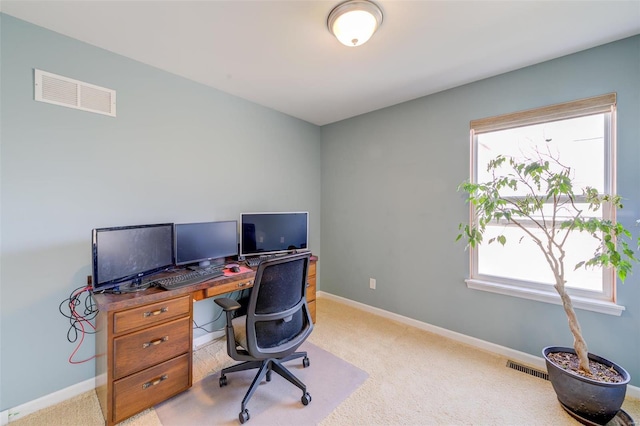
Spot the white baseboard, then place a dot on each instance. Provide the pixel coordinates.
(47, 401)
(200, 341)
(57, 397)
(514, 355)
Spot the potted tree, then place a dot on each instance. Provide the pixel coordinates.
(539, 190)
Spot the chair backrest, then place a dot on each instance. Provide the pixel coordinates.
(278, 318)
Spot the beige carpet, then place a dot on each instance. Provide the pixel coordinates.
(415, 378)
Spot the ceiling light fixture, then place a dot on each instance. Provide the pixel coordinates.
(354, 22)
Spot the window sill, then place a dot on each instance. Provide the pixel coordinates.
(584, 303)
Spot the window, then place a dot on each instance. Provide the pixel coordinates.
(581, 134)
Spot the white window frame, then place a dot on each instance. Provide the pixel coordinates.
(603, 302)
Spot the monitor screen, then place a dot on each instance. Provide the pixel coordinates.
(126, 254)
(272, 233)
(206, 241)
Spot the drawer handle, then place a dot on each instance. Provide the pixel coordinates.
(155, 342)
(308, 285)
(155, 382)
(154, 313)
(244, 284)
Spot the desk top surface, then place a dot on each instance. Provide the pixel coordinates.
(114, 301)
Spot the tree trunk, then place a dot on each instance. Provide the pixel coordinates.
(578, 341)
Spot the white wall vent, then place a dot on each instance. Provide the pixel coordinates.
(63, 91)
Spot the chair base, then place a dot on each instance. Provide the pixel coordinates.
(265, 367)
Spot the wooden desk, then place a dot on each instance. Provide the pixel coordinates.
(144, 342)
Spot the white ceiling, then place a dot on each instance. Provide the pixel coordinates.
(280, 54)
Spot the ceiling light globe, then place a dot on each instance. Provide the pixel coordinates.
(354, 22)
(354, 28)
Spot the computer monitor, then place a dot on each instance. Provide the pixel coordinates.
(273, 233)
(205, 242)
(123, 256)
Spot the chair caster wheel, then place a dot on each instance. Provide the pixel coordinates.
(306, 398)
(244, 416)
(305, 362)
(223, 381)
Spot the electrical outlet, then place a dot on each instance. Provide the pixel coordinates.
(372, 283)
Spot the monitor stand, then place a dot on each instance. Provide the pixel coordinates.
(135, 285)
(208, 264)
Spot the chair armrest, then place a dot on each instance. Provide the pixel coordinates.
(228, 304)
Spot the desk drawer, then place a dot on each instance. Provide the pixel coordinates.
(229, 287)
(311, 289)
(139, 350)
(149, 387)
(147, 315)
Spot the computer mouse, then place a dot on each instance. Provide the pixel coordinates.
(235, 269)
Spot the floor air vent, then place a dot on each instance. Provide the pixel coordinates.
(530, 371)
(64, 91)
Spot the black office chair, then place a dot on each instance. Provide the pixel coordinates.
(276, 324)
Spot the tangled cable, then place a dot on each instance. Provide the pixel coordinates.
(80, 323)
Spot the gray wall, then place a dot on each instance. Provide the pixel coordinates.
(390, 209)
(176, 152)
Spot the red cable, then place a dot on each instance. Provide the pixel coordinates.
(81, 320)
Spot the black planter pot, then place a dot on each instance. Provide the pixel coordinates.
(593, 401)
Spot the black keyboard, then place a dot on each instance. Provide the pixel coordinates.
(254, 261)
(188, 278)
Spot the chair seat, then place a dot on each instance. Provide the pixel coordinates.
(240, 331)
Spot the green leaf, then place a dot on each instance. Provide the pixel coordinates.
(622, 274)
